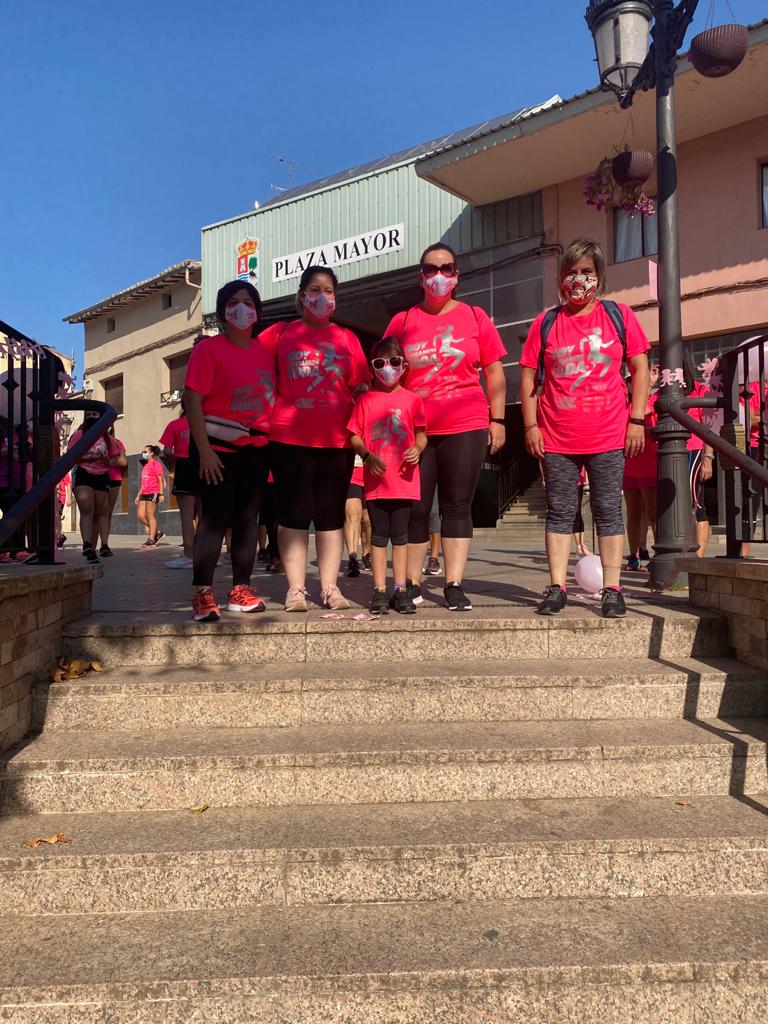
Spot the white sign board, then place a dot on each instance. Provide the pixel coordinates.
(347, 250)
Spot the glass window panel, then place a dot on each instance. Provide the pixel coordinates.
(474, 282)
(517, 302)
(481, 299)
(627, 236)
(475, 260)
(650, 234)
(512, 373)
(513, 338)
(514, 272)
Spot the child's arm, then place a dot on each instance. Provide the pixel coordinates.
(373, 462)
(413, 454)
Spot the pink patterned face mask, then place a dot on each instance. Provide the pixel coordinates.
(241, 315)
(579, 289)
(439, 285)
(320, 306)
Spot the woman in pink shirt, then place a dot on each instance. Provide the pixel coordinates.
(175, 442)
(228, 397)
(151, 493)
(90, 483)
(448, 344)
(319, 368)
(583, 416)
(117, 463)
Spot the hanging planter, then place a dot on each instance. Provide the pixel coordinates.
(632, 168)
(719, 51)
(601, 189)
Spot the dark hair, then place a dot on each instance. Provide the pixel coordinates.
(434, 248)
(88, 412)
(310, 272)
(152, 448)
(226, 292)
(386, 347)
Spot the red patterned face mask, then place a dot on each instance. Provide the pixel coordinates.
(579, 289)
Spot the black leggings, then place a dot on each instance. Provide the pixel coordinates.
(451, 463)
(268, 519)
(389, 520)
(234, 503)
(312, 485)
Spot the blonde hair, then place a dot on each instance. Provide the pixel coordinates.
(580, 249)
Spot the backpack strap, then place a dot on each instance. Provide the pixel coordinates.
(545, 327)
(617, 319)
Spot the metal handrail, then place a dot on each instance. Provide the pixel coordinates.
(514, 481)
(44, 488)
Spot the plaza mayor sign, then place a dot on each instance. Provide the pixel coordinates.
(335, 254)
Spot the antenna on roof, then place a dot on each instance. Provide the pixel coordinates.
(292, 166)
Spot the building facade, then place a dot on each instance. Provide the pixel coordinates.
(137, 345)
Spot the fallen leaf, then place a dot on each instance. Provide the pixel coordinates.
(57, 837)
(73, 668)
(199, 810)
(96, 666)
(683, 803)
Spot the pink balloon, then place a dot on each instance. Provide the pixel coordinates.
(588, 574)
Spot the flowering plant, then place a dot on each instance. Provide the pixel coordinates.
(601, 190)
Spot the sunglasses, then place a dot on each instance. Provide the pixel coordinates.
(379, 364)
(429, 269)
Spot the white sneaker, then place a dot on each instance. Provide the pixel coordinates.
(179, 562)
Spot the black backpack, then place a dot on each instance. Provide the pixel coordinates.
(616, 318)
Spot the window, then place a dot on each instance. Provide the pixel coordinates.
(167, 301)
(634, 236)
(177, 371)
(110, 324)
(764, 191)
(113, 393)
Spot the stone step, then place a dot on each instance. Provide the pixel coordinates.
(223, 696)
(391, 853)
(540, 961)
(65, 771)
(505, 632)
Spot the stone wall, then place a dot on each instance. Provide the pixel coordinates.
(738, 589)
(35, 603)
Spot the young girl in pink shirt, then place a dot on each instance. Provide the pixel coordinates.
(388, 428)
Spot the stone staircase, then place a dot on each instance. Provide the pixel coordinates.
(524, 519)
(487, 819)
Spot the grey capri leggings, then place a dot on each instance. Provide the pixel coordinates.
(606, 473)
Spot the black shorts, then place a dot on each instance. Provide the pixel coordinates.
(154, 498)
(115, 483)
(356, 491)
(96, 481)
(184, 479)
(312, 485)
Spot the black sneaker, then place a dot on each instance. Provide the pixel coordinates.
(613, 603)
(555, 599)
(379, 604)
(159, 537)
(106, 551)
(353, 566)
(367, 563)
(262, 556)
(90, 555)
(456, 599)
(401, 602)
(414, 592)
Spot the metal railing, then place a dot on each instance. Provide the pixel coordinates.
(515, 477)
(730, 417)
(31, 464)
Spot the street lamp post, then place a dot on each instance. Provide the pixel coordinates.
(621, 30)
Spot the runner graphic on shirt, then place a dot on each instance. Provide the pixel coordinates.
(390, 429)
(328, 367)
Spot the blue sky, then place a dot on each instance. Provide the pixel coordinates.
(128, 127)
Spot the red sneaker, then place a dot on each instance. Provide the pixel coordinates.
(243, 598)
(204, 607)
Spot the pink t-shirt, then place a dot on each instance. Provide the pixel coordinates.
(236, 383)
(642, 468)
(175, 437)
(695, 444)
(152, 477)
(117, 448)
(358, 477)
(318, 369)
(387, 422)
(583, 406)
(100, 448)
(445, 353)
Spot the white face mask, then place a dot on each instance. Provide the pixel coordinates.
(321, 306)
(241, 316)
(439, 286)
(389, 374)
